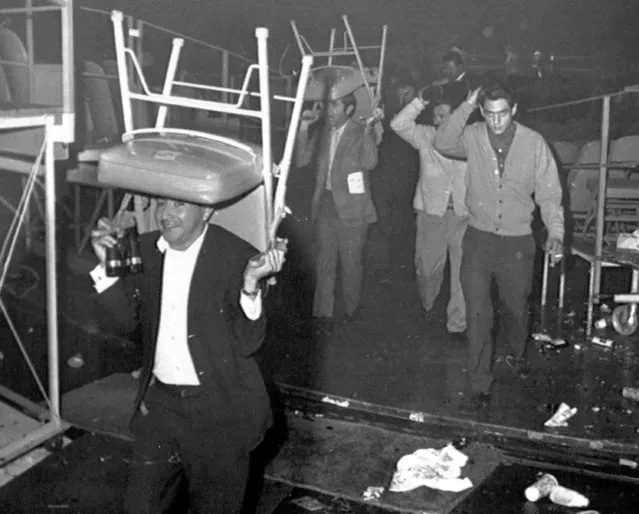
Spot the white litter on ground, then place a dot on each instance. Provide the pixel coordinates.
(436, 469)
(560, 418)
(333, 401)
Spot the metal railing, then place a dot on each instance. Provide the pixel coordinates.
(604, 165)
(65, 130)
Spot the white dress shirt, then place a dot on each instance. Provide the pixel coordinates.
(173, 363)
(336, 135)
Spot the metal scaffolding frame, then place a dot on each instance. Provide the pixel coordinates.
(58, 125)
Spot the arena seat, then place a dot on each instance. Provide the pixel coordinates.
(622, 193)
(579, 197)
(565, 152)
(626, 149)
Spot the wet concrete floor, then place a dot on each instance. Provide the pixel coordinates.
(394, 354)
(90, 474)
(390, 354)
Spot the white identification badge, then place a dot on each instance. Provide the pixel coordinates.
(356, 183)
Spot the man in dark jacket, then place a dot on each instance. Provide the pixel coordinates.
(202, 405)
(457, 83)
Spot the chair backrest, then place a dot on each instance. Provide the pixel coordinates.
(590, 153)
(5, 90)
(565, 151)
(626, 149)
(579, 197)
(99, 103)
(12, 50)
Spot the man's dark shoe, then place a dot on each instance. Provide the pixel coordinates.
(519, 366)
(475, 403)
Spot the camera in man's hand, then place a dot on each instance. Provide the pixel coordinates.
(124, 257)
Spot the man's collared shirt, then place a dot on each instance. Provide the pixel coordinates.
(173, 362)
(336, 135)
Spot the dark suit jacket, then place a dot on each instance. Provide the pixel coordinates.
(457, 91)
(221, 338)
(356, 152)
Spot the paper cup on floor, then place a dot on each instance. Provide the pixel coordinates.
(568, 498)
(541, 488)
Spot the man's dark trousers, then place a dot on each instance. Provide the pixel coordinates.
(176, 440)
(509, 261)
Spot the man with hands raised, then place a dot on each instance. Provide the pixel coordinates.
(342, 152)
(440, 205)
(202, 404)
(510, 169)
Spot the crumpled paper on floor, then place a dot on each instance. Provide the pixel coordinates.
(373, 493)
(436, 469)
(560, 418)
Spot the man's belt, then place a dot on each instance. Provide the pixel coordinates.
(179, 391)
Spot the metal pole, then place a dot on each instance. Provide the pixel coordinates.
(225, 81)
(51, 271)
(358, 57)
(285, 164)
(168, 80)
(601, 199)
(562, 284)
(139, 40)
(298, 38)
(331, 47)
(544, 281)
(380, 72)
(591, 295)
(68, 65)
(265, 106)
(289, 91)
(30, 47)
(123, 76)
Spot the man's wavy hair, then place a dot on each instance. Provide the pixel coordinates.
(496, 92)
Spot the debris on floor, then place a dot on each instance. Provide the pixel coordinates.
(548, 486)
(437, 469)
(308, 503)
(541, 488)
(75, 361)
(602, 341)
(542, 337)
(372, 493)
(631, 392)
(568, 498)
(561, 416)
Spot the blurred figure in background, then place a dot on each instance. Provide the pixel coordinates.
(393, 185)
(456, 81)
